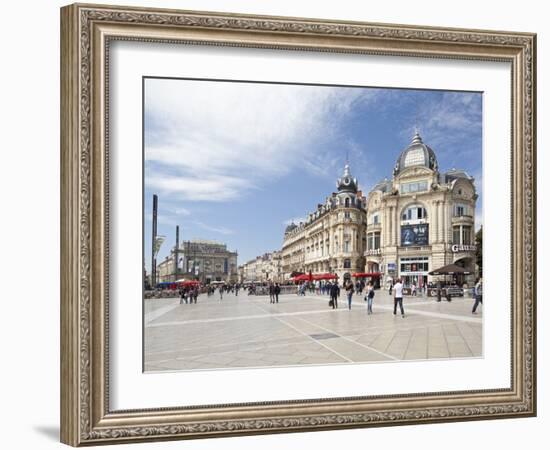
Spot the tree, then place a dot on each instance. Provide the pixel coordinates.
(479, 250)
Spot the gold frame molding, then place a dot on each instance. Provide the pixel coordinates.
(86, 31)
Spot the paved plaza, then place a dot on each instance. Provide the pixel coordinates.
(247, 331)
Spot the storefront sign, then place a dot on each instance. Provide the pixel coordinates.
(414, 234)
(455, 248)
(373, 252)
(391, 267)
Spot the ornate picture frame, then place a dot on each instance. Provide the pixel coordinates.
(87, 32)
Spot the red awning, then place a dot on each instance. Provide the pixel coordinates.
(189, 283)
(302, 277)
(366, 274)
(324, 276)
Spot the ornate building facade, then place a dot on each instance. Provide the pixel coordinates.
(421, 219)
(200, 259)
(417, 221)
(332, 239)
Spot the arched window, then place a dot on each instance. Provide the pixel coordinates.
(347, 263)
(346, 204)
(414, 212)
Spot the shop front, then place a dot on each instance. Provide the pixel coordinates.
(414, 271)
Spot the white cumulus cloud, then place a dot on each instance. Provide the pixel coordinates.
(214, 141)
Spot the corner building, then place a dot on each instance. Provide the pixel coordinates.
(332, 239)
(421, 219)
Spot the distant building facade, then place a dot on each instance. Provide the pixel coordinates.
(203, 260)
(264, 268)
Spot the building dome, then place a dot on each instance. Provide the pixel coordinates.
(346, 183)
(416, 154)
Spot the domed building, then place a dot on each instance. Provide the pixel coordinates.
(421, 219)
(332, 238)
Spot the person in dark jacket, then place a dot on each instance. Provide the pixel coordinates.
(334, 294)
(348, 286)
(276, 292)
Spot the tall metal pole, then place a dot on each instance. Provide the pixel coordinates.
(176, 252)
(153, 243)
(188, 256)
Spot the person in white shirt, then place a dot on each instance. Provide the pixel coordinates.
(398, 297)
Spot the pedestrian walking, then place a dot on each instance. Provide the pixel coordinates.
(413, 290)
(334, 294)
(183, 296)
(221, 292)
(447, 294)
(271, 293)
(478, 295)
(398, 297)
(370, 297)
(349, 291)
(276, 292)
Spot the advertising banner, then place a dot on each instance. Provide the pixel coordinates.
(414, 234)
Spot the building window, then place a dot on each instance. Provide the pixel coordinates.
(373, 241)
(418, 264)
(466, 235)
(417, 186)
(374, 218)
(461, 210)
(347, 215)
(346, 203)
(456, 235)
(415, 158)
(414, 212)
(347, 263)
(462, 235)
(346, 247)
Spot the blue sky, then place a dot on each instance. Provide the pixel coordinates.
(235, 162)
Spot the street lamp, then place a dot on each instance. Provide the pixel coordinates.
(156, 248)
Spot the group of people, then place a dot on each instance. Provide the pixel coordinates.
(350, 289)
(189, 295)
(221, 288)
(274, 291)
(397, 290)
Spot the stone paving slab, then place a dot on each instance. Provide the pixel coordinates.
(248, 331)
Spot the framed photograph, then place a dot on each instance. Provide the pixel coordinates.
(276, 224)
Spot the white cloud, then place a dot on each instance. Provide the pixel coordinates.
(453, 119)
(213, 141)
(182, 212)
(220, 230)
